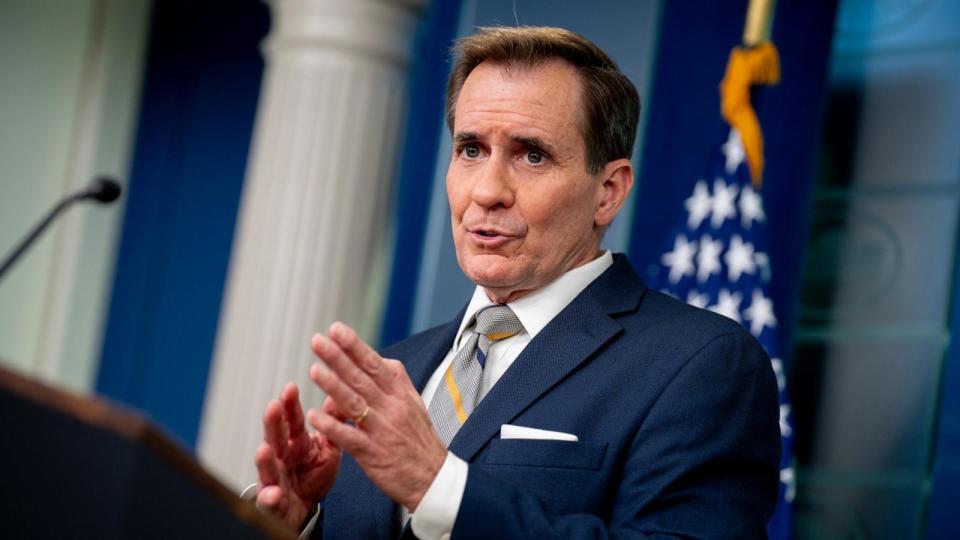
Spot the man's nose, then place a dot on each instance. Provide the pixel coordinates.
(493, 186)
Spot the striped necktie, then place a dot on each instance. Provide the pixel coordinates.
(459, 391)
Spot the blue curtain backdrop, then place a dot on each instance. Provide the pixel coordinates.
(202, 81)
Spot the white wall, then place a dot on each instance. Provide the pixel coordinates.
(68, 102)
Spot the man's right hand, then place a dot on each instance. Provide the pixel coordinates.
(296, 469)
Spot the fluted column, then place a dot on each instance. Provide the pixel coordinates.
(312, 226)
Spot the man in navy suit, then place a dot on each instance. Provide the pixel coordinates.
(566, 400)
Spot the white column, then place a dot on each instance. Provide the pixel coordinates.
(312, 225)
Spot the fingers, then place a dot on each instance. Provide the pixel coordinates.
(345, 367)
(275, 429)
(268, 470)
(299, 442)
(362, 355)
(292, 411)
(270, 498)
(350, 403)
(349, 438)
(330, 407)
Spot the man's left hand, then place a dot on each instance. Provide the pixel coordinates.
(392, 438)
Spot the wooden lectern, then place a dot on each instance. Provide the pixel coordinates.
(75, 467)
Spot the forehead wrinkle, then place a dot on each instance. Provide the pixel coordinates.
(507, 104)
(510, 71)
(514, 123)
(486, 107)
(510, 129)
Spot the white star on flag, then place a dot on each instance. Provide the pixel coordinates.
(760, 313)
(698, 205)
(739, 258)
(708, 258)
(751, 207)
(728, 305)
(780, 374)
(785, 429)
(788, 479)
(733, 150)
(680, 260)
(763, 263)
(723, 197)
(697, 299)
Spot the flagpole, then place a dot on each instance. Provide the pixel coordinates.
(759, 22)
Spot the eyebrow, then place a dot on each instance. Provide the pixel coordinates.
(535, 142)
(465, 136)
(529, 142)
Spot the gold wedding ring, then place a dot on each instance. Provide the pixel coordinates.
(363, 415)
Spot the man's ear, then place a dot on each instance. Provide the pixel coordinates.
(616, 180)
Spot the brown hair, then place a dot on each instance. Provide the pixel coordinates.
(610, 107)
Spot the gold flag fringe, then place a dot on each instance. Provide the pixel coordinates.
(747, 67)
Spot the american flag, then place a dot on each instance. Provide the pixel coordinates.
(717, 259)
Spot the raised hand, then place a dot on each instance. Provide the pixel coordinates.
(296, 469)
(392, 438)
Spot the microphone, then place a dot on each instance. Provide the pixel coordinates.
(103, 189)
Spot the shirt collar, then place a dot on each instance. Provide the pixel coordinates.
(538, 308)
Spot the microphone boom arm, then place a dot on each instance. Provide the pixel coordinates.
(103, 189)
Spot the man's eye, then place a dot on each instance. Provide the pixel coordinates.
(470, 151)
(535, 157)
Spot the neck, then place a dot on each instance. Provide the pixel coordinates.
(507, 295)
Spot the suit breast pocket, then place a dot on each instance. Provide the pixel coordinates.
(545, 453)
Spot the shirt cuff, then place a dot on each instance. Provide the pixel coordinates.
(437, 511)
(311, 524)
(250, 494)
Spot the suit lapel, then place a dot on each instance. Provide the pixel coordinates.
(422, 356)
(569, 340)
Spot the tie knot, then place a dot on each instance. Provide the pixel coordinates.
(498, 322)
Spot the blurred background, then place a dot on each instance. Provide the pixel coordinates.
(283, 165)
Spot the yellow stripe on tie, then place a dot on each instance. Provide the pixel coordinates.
(497, 336)
(455, 395)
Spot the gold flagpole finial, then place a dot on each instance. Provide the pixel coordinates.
(759, 22)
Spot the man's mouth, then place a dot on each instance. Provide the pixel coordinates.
(489, 238)
(491, 232)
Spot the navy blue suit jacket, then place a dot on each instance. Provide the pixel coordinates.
(675, 409)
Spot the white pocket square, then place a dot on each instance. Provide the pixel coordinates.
(510, 431)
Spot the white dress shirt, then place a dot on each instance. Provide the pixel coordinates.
(438, 509)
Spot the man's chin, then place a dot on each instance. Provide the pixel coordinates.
(491, 271)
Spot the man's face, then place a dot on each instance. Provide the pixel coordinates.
(523, 206)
